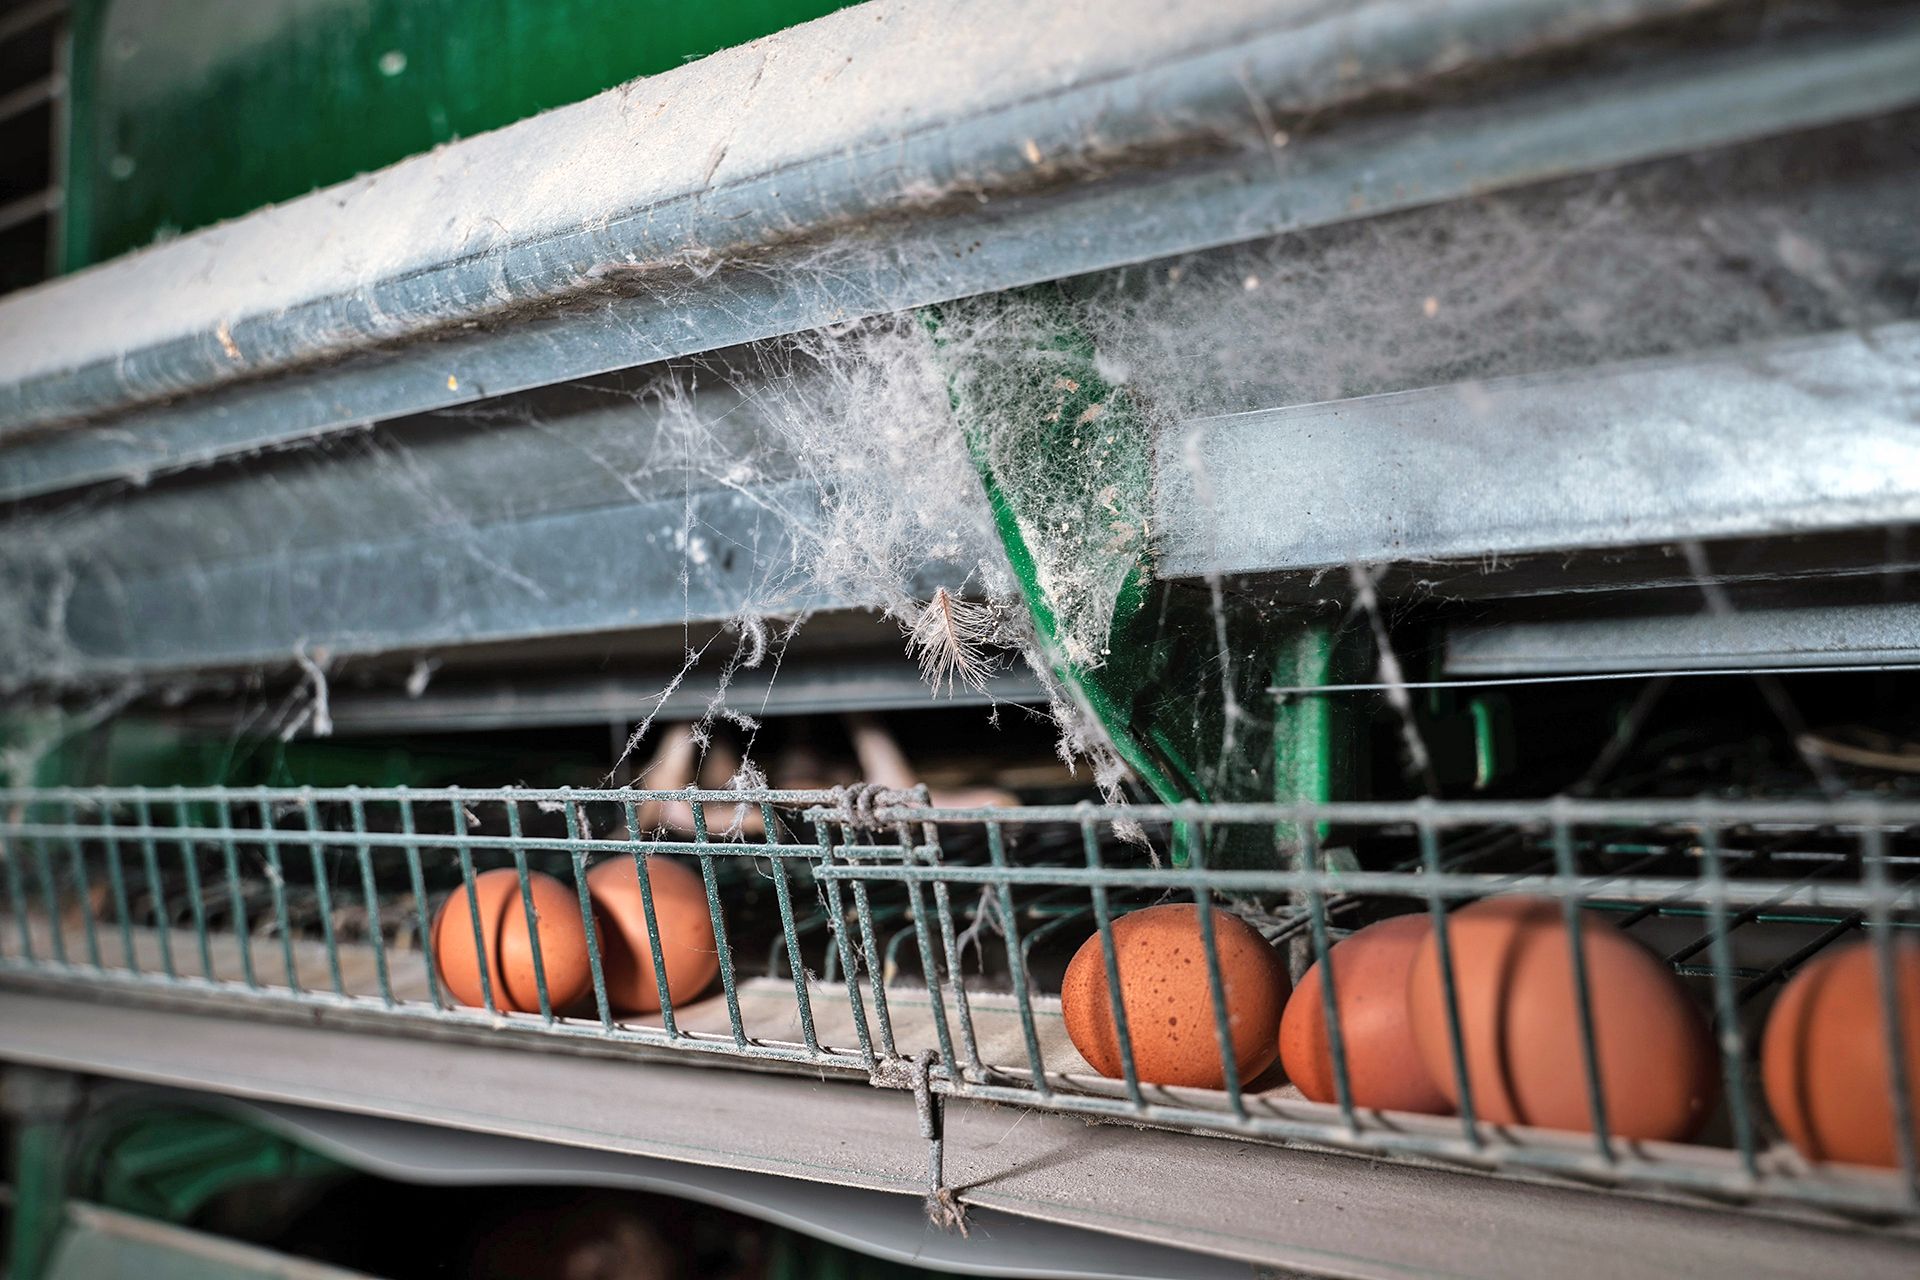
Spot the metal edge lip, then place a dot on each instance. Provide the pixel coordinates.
(1200, 204)
(1348, 1215)
(1135, 89)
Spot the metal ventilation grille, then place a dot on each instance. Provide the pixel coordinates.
(33, 112)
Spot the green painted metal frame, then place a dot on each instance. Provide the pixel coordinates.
(41, 1104)
(167, 1162)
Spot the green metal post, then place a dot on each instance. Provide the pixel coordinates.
(41, 1104)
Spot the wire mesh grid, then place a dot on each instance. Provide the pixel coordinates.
(866, 933)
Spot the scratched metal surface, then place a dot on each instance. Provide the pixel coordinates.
(789, 184)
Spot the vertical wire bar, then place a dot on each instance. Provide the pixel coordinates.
(1873, 861)
(81, 885)
(876, 972)
(1216, 982)
(943, 908)
(17, 895)
(1733, 1046)
(923, 941)
(640, 870)
(117, 881)
(370, 890)
(577, 855)
(930, 970)
(50, 892)
(1565, 865)
(1329, 997)
(719, 923)
(322, 889)
(277, 886)
(196, 892)
(150, 864)
(50, 897)
(837, 917)
(409, 828)
(236, 901)
(969, 1044)
(1016, 961)
(482, 961)
(783, 895)
(1103, 926)
(526, 905)
(1443, 951)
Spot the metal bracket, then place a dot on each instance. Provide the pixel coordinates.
(944, 1209)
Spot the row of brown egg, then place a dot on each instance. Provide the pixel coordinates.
(620, 925)
(1825, 1061)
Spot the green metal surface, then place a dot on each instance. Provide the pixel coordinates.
(1027, 469)
(167, 1163)
(1179, 683)
(39, 1146)
(1317, 748)
(159, 1163)
(191, 111)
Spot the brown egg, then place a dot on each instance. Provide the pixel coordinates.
(686, 932)
(1520, 1023)
(1169, 1001)
(508, 942)
(1384, 1068)
(1825, 1057)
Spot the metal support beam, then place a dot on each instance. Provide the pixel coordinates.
(1801, 436)
(1866, 635)
(1145, 150)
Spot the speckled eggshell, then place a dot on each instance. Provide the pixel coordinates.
(686, 932)
(1384, 1067)
(1520, 1023)
(1168, 1000)
(1824, 1059)
(508, 943)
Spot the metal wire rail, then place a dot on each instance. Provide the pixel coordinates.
(319, 898)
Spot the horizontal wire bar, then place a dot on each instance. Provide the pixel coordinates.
(1702, 890)
(1584, 677)
(886, 809)
(481, 795)
(421, 840)
(1451, 813)
(32, 94)
(26, 17)
(1399, 883)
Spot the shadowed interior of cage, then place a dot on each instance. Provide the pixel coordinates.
(861, 931)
